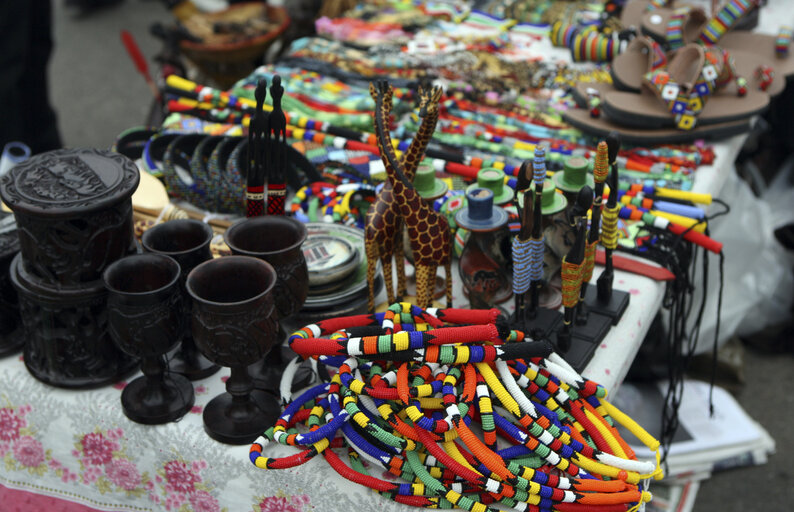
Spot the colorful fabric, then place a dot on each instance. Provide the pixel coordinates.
(67, 451)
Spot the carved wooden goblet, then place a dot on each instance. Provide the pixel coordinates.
(277, 240)
(144, 320)
(234, 325)
(188, 242)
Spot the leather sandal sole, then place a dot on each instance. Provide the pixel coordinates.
(602, 126)
(646, 110)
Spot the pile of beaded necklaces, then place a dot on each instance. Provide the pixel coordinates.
(412, 389)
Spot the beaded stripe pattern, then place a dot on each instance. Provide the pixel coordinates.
(675, 28)
(724, 20)
(522, 257)
(783, 41)
(276, 195)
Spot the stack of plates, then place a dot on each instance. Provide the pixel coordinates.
(337, 271)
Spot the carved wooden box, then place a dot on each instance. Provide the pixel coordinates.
(67, 343)
(73, 210)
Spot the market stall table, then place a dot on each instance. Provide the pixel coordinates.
(79, 447)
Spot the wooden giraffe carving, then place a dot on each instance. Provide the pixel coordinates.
(431, 241)
(384, 225)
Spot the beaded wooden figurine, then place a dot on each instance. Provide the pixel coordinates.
(573, 267)
(522, 255)
(604, 300)
(537, 247)
(528, 254)
(383, 223)
(257, 128)
(428, 231)
(593, 327)
(277, 152)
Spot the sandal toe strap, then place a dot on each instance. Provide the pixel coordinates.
(683, 101)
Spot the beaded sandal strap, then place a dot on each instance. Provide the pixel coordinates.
(686, 100)
(722, 60)
(657, 58)
(678, 20)
(657, 4)
(725, 18)
(783, 41)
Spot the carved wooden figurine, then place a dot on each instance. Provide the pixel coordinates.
(384, 224)
(428, 230)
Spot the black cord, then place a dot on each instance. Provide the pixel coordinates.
(716, 335)
(681, 258)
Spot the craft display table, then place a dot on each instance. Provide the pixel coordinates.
(78, 447)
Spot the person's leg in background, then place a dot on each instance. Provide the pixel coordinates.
(25, 47)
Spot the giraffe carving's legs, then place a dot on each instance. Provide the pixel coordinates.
(399, 262)
(425, 283)
(371, 250)
(448, 279)
(388, 276)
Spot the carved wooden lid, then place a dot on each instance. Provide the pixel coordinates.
(69, 181)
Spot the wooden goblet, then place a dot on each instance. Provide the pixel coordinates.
(144, 321)
(278, 240)
(234, 324)
(188, 242)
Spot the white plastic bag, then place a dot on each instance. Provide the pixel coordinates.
(759, 283)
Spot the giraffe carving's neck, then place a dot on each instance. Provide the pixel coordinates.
(392, 163)
(419, 143)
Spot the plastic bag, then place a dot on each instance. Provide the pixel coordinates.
(758, 279)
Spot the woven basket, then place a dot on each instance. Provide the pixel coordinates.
(228, 63)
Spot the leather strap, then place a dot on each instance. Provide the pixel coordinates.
(655, 272)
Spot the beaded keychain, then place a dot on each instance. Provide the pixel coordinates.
(414, 387)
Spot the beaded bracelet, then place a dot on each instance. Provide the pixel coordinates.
(415, 417)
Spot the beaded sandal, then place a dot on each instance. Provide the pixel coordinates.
(675, 27)
(641, 56)
(686, 89)
(644, 55)
(686, 24)
(634, 10)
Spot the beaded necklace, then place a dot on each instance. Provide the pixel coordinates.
(411, 384)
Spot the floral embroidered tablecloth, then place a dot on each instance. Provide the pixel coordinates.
(79, 447)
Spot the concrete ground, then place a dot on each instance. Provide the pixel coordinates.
(97, 94)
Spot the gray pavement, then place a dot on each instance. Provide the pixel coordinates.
(97, 93)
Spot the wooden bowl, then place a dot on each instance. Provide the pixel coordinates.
(229, 62)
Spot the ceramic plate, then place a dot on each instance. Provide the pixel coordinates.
(355, 284)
